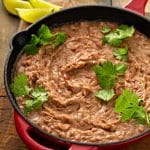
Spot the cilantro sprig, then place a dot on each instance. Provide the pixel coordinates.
(128, 105)
(39, 96)
(121, 53)
(116, 37)
(34, 97)
(106, 29)
(44, 37)
(20, 85)
(105, 94)
(107, 75)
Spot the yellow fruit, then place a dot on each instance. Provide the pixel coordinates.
(44, 4)
(10, 5)
(32, 15)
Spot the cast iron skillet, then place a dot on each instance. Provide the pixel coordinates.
(30, 133)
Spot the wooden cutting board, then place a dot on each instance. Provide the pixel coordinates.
(9, 140)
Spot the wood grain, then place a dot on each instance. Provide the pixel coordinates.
(9, 140)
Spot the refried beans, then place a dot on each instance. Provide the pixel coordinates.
(66, 72)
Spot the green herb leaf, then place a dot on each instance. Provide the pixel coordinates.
(140, 115)
(108, 73)
(121, 53)
(105, 95)
(39, 93)
(44, 37)
(126, 100)
(31, 48)
(127, 104)
(44, 32)
(34, 39)
(120, 69)
(28, 106)
(20, 86)
(39, 96)
(106, 29)
(116, 37)
(112, 39)
(125, 31)
(59, 39)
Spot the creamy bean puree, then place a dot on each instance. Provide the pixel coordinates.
(66, 72)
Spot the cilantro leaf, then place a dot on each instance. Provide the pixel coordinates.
(127, 104)
(126, 100)
(19, 86)
(121, 53)
(107, 73)
(60, 39)
(105, 95)
(112, 39)
(31, 48)
(28, 106)
(116, 37)
(44, 37)
(106, 29)
(44, 32)
(125, 31)
(34, 39)
(120, 69)
(140, 115)
(39, 96)
(39, 93)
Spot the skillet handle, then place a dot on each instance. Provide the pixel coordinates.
(137, 6)
(23, 130)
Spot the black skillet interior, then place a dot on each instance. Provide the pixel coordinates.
(94, 12)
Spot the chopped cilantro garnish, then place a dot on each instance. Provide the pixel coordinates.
(60, 38)
(44, 32)
(44, 37)
(39, 96)
(105, 95)
(125, 31)
(116, 37)
(39, 93)
(19, 86)
(106, 29)
(35, 97)
(108, 73)
(31, 48)
(121, 53)
(120, 69)
(127, 104)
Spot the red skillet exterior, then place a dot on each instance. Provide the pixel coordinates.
(24, 130)
(24, 127)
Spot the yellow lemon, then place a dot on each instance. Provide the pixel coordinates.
(10, 5)
(44, 4)
(32, 15)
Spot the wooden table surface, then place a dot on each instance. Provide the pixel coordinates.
(9, 140)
